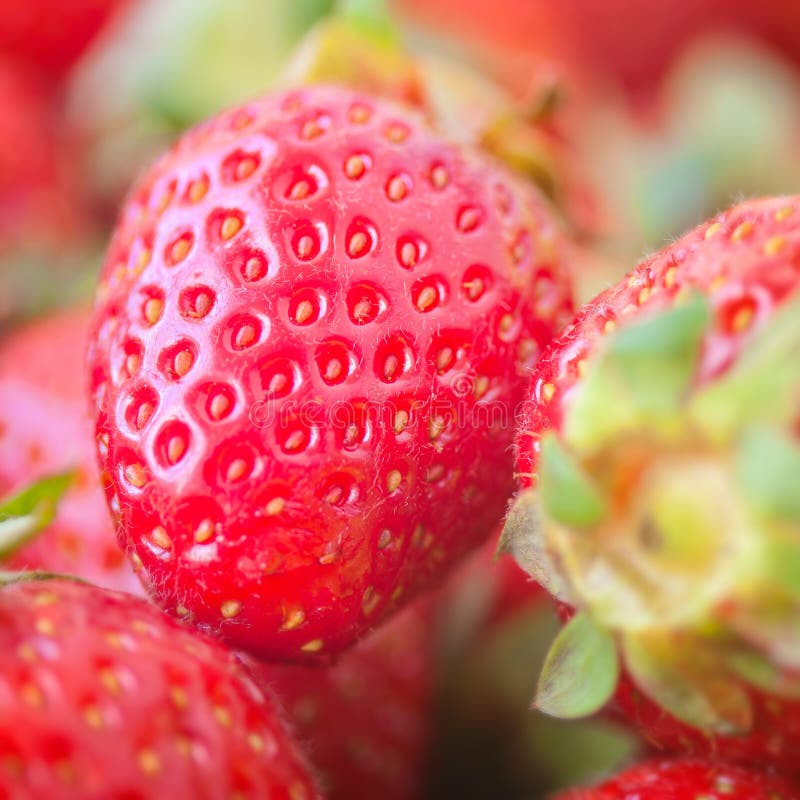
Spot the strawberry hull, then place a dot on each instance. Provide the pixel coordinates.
(658, 458)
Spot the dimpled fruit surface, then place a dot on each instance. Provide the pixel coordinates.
(312, 328)
(102, 696)
(44, 430)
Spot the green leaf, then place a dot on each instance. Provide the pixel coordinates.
(768, 470)
(566, 492)
(369, 16)
(640, 378)
(763, 385)
(689, 681)
(524, 538)
(580, 672)
(758, 671)
(26, 513)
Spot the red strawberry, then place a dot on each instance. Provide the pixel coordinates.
(627, 44)
(688, 779)
(102, 696)
(663, 440)
(366, 721)
(43, 430)
(34, 208)
(50, 35)
(311, 331)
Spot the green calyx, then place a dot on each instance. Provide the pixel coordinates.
(357, 46)
(30, 510)
(670, 515)
(640, 378)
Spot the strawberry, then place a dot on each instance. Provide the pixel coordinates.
(625, 45)
(33, 195)
(661, 437)
(366, 720)
(103, 696)
(43, 430)
(50, 35)
(308, 310)
(688, 779)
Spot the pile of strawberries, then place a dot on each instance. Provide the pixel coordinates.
(333, 352)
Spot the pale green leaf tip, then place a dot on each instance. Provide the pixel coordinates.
(567, 494)
(580, 672)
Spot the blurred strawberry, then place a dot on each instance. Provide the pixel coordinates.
(50, 35)
(727, 124)
(629, 44)
(366, 721)
(33, 203)
(43, 430)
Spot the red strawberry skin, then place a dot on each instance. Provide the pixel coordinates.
(50, 35)
(299, 301)
(102, 696)
(688, 779)
(745, 260)
(36, 207)
(366, 721)
(764, 237)
(44, 430)
(773, 740)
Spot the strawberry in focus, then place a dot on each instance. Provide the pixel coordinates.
(44, 430)
(311, 332)
(102, 696)
(658, 456)
(365, 721)
(688, 779)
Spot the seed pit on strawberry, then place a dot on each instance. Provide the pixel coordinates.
(411, 250)
(394, 358)
(178, 249)
(196, 302)
(398, 187)
(336, 362)
(253, 266)
(469, 218)
(197, 189)
(172, 443)
(141, 405)
(278, 378)
(243, 332)
(240, 165)
(359, 113)
(306, 305)
(308, 240)
(361, 238)
(152, 306)
(177, 360)
(356, 165)
(429, 293)
(365, 304)
(476, 282)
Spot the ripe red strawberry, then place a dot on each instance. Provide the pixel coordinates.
(102, 696)
(366, 722)
(50, 35)
(35, 210)
(311, 330)
(688, 779)
(662, 438)
(44, 430)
